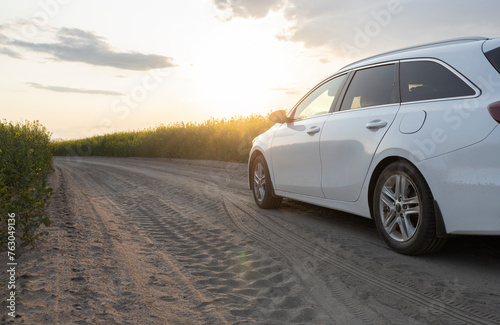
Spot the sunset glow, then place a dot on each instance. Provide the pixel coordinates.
(92, 67)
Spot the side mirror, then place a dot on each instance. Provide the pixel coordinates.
(279, 117)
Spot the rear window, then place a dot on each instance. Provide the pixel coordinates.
(494, 57)
(426, 80)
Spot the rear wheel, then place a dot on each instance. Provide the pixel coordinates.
(263, 192)
(404, 210)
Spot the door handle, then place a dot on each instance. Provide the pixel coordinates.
(376, 124)
(313, 130)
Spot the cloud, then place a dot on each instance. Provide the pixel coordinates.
(248, 8)
(11, 53)
(356, 29)
(74, 90)
(76, 45)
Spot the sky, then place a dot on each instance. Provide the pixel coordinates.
(89, 67)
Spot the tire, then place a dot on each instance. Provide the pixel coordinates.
(262, 187)
(403, 210)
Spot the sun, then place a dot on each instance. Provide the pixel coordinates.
(236, 68)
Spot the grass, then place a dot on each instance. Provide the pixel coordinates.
(214, 139)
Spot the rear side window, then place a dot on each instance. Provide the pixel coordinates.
(425, 80)
(372, 87)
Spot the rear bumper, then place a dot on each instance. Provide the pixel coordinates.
(466, 184)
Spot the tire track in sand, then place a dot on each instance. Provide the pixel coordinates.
(236, 276)
(232, 276)
(158, 283)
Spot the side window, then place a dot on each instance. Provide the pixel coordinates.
(424, 80)
(320, 100)
(372, 87)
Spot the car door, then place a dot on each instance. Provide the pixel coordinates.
(351, 135)
(295, 151)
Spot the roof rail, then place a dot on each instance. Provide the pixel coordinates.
(452, 40)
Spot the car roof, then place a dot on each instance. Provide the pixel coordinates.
(422, 50)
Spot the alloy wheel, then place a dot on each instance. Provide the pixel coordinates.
(259, 185)
(400, 207)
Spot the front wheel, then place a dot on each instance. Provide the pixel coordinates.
(403, 209)
(263, 192)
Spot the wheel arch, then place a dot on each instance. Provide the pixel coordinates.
(266, 198)
(440, 224)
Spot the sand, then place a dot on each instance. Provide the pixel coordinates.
(161, 241)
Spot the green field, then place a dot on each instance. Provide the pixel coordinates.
(224, 139)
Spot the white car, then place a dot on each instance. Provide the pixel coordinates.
(410, 138)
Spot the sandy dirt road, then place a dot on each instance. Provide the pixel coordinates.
(159, 241)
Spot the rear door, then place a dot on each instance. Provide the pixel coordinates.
(351, 135)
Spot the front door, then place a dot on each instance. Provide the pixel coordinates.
(295, 151)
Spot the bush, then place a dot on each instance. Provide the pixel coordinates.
(25, 163)
(225, 139)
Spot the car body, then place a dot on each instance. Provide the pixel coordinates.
(410, 138)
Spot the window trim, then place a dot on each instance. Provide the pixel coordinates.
(469, 83)
(339, 97)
